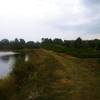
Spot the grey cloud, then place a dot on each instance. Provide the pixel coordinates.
(92, 15)
(92, 3)
(61, 17)
(93, 27)
(92, 7)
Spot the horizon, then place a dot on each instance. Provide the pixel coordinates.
(50, 38)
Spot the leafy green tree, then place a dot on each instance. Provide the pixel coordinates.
(68, 43)
(46, 40)
(78, 42)
(98, 45)
(58, 41)
(4, 44)
(22, 43)
(92, 43)
(30, 44)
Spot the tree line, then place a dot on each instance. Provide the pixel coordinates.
(17, 44)
(78, 43)
(49, 43)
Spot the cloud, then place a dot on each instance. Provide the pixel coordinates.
(84, 19)
(34, 19)
(92, 3)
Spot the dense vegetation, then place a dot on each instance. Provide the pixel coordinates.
(79, 48)
(52, 76)
(22, 44)
(17, 44)
(52, 73)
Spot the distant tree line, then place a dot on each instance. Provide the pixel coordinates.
(78, 43)
(49, 43)
(17, 44)
(78, 48)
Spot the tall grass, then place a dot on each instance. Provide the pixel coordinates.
(12, 85)
(7, 88)
(47, 76)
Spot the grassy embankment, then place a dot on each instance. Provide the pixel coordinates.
(52, 76)
(82, 52)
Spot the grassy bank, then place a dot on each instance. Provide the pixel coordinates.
(52, 76)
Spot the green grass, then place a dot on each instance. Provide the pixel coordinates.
(52, 76)
(7, 88)
(77, 52)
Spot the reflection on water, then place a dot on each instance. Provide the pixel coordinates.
(4, 58)
(26, 57)
(5, 65)
(7, 53)
(7, 60)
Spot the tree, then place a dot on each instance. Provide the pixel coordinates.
(98, 45)
(4, 44)
(46, 40)
(22, 43)
(68, 43)
(58, 41)
(30, 44)
(16, 44)
(78, 43)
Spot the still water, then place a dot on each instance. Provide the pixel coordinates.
(7, 60)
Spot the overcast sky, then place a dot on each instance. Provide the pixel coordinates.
(34, 19)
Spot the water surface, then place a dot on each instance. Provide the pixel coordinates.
(7, 60)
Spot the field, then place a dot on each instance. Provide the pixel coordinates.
(50, 75)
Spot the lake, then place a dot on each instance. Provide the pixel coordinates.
(7, 60)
